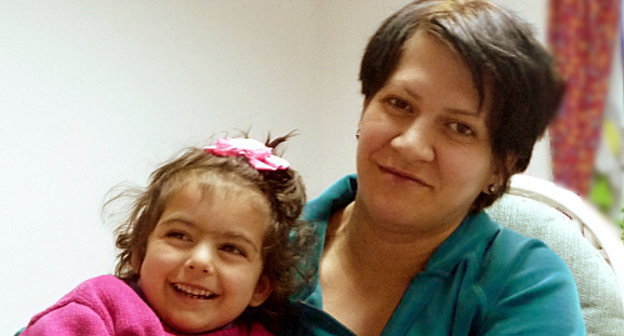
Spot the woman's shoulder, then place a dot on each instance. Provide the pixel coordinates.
(501, 243)
(337, 196)
(500, 259)
(514, 266)
(519, 251)
(522, 277)
(513, 252)
(501, 282)
(483, 243)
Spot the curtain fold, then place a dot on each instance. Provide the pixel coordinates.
(581, 36)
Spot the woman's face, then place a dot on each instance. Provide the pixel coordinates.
(424, 151)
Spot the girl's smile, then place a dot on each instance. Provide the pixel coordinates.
(193, 291)
(203, 264)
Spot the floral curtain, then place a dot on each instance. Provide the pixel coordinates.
(582, 36)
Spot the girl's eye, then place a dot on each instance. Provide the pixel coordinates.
(178, 235)
(462, 129)
(233, 249)
(399, 103)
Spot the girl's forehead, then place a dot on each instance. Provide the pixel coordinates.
(222, 187)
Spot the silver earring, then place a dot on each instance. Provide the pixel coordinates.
(492, 188)
(357, 134)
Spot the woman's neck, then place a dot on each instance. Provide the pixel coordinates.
(370, 250)
(365, 269)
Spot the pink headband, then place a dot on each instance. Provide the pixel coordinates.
(259, 156)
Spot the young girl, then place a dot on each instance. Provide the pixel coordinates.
(209, 248)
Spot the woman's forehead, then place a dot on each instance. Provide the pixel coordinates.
(429, 66)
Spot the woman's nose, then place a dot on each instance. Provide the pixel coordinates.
(201, 259)
(416, 142)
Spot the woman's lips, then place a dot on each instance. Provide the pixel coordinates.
(405, 175)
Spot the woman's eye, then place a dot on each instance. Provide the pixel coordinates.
(399, 103)
(462, 129)
(233, 249)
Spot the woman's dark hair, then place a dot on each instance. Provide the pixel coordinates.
(286, 241)
(507, 63)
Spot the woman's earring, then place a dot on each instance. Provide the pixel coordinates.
(357, 134)
(492, 188)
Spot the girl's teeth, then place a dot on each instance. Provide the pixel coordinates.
(192, 291)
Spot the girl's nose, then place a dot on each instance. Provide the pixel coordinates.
(201, 259)
(203, 269)
(416, 142)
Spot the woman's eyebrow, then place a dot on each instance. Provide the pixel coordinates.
(405, 87)
(474, 114)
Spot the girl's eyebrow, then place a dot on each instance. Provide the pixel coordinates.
(178, 219)
(232, 235)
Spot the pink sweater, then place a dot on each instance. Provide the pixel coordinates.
(106, 305)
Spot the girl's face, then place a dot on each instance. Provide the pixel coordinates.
(203, 263)
(424, 151)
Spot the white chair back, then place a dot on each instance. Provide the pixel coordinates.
(589, 243)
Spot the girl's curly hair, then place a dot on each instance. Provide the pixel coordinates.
(286, 241)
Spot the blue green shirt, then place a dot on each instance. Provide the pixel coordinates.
(483, 279)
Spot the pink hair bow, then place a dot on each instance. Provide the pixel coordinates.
(259, 156)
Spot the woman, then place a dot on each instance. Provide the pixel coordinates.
(456, 92)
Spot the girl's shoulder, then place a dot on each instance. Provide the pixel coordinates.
(101, 289)
(105, 302)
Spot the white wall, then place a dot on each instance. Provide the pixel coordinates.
(99, 92)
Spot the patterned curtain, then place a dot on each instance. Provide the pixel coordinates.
(581, 35)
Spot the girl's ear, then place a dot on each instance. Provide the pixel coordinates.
(264, 288)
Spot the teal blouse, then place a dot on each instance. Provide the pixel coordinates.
(484, 279)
